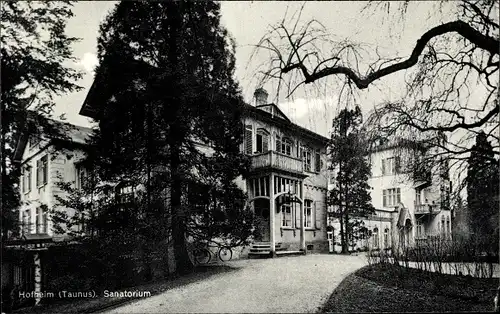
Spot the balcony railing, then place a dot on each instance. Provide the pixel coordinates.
(422, 176)
(279, 161)
(431, 209)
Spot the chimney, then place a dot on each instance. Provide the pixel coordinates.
(260, 95)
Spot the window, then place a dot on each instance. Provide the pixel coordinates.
(420, 229)
(262, 141)
(375, 238)
(443, 230)
(306, 158)
(308, 213)
(317, 161)
(41, 171)
(418, 197)
(198, 196)
(386, 237)
(286, 211)
(248, 139)
(391, 165)
(27, 221)
(26, 179)
(81, 176)
(283, 145)
(41, 220)
(391, 197)
(448, 229)
(125, 194)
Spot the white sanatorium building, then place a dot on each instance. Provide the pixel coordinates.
(410, 206)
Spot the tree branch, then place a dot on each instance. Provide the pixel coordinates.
(482, 41)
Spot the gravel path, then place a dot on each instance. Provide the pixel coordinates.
(287, 284)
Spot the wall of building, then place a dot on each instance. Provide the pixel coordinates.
(60, 168)
(405, 182)
(315, 188)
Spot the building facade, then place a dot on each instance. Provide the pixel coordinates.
(286, 185)
(411, 206)
(45, 161)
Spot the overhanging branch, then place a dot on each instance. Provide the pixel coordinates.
(482, 41)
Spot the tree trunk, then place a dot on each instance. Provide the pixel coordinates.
(176, 136)
(342, 232)
(343, 227)
(182, 261)
(347, 231)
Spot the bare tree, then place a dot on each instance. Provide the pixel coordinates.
(451, 74)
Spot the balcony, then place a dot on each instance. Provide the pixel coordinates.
(427, 209)
(272, 160)
(422, 178)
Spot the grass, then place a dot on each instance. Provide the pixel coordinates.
(102, 303)
(391, 288)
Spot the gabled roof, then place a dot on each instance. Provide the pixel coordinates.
(70, 133)
(282, 121)
(404, 215)
(273, 110)
(98, 91)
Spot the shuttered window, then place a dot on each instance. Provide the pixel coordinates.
(248, 139)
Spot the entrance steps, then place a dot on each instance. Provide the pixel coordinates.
(263, 250)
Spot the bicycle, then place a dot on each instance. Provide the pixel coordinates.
(204, 255)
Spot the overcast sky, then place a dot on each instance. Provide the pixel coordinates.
(248, 21)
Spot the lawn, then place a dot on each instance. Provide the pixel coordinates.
(391, 288)
(101, 303)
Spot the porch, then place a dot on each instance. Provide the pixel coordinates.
(276, 200)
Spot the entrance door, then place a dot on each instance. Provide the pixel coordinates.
(262, 220)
